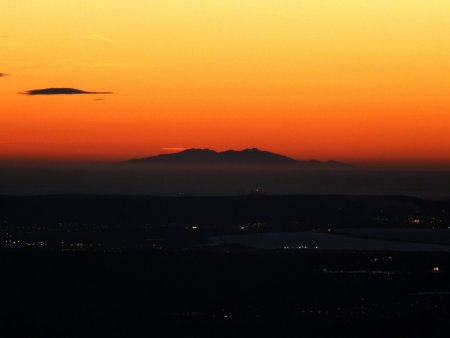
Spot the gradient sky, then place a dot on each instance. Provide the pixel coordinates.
(363, 81)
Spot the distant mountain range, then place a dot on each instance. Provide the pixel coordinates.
(230, 158)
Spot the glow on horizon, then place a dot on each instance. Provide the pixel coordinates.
(356, 81)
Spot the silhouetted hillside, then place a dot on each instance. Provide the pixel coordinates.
(246, 157)
(296, 212)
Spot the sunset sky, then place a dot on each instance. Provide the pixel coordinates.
(362, 81)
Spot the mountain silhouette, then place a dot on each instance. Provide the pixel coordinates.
(244, 158)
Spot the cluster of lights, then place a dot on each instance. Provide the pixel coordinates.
(300, 247)
(40, 243)
(372, 272)
(77, 245)
(10, 241)
(192, 227)
(389, 258)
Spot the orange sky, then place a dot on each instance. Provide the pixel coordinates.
(350, 80)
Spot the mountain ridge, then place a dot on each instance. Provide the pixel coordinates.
(235, 158)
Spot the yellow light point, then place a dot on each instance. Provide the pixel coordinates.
(436, 269)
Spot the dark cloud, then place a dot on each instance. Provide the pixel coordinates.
(60, 91)
(3, 74)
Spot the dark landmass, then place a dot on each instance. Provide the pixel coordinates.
(231, 158)
(298, 212)
(219, 294)
(142, 180)
(133, 266)
(140, 223)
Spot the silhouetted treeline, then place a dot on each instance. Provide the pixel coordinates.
(296, 211)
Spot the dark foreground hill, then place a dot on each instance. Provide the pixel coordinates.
(297, 212)
(134, 266)
(221, 295)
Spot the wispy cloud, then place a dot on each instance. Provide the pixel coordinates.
(5, 44)
(98, 37)
(3, 74)
(66, 60)
(173, 149)
(112, 65)
(285, 15)
(60, 91)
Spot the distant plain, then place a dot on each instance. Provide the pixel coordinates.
(144, 181)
